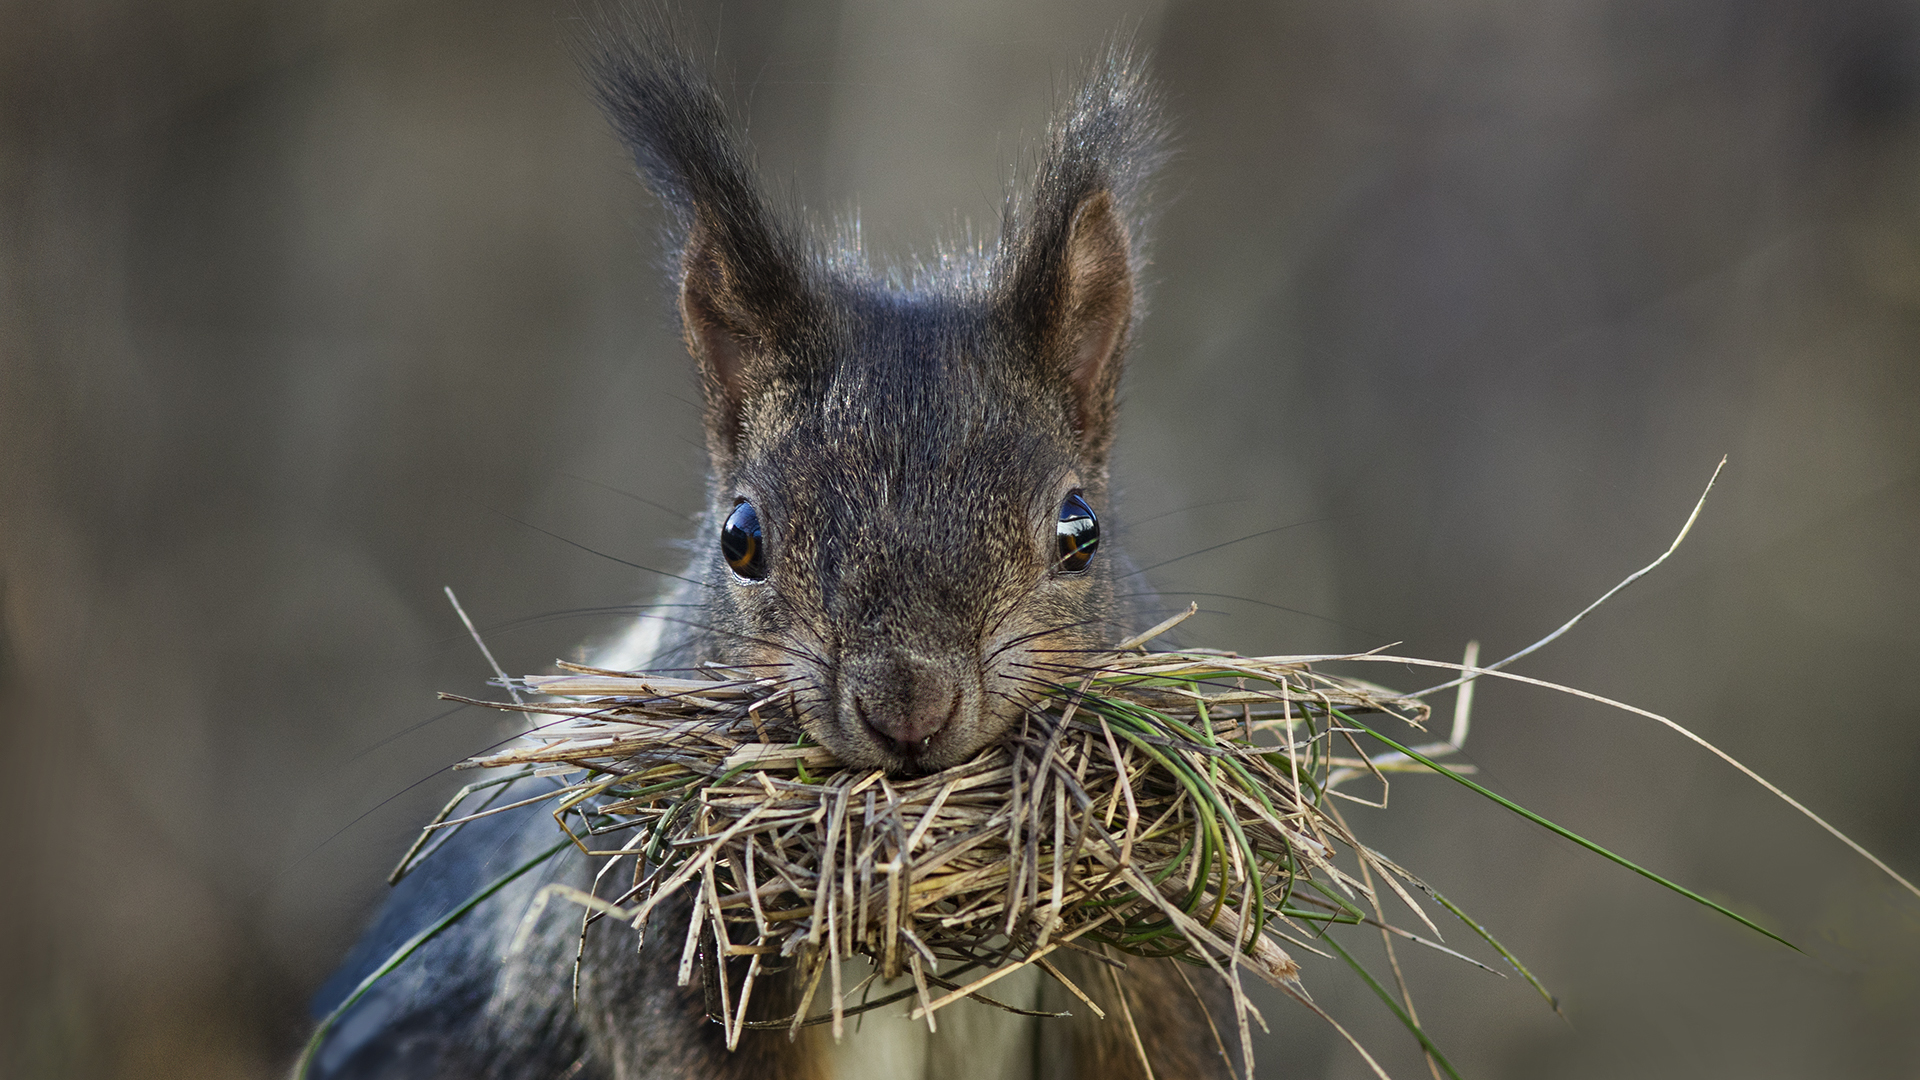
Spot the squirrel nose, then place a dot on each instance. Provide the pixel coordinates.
(904, 702)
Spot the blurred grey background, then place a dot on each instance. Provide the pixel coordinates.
(302, 305)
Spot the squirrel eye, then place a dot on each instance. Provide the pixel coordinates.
(1079, 534)
(741, 545)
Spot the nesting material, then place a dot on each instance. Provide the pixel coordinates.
(1162, 804)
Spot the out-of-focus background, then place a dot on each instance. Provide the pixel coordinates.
(306, 307)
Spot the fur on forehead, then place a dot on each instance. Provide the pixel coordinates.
(932, 364)
(922, 402)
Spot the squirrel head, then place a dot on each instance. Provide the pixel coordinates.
(907, 478)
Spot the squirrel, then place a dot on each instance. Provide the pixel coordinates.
(903, 525)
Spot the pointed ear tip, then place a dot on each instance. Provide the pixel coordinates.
(706, 280)
(706, 322)
(1098, 223)
(1100, 204)
(1098, 251)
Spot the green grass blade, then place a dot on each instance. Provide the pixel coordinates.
(1335, 898)
(411, 946)
(1425, 1043)
(1215, 809)
(1499, 948)
(1573, 836)
(1320, 916)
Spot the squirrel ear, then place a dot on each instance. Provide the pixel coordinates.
(743, 298)
(1085, 329)
(717, 332)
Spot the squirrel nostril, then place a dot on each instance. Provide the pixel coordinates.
(878, 728)
(910, 707)
(909, 727)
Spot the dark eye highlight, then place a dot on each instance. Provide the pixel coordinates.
(741, 544)
(1079, 533)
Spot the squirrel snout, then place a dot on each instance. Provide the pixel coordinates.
(902, 701)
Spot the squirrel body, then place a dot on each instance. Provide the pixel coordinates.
(901, 525)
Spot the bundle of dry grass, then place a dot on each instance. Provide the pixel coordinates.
(1166, 804)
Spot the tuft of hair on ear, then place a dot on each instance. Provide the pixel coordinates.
(741, 268)
(1070, 254)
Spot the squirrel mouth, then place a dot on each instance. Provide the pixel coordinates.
(912, 755)
(909, 739)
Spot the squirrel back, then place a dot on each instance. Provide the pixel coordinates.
(908, 475)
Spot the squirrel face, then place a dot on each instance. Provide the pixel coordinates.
(902, 524)
(888, 536)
